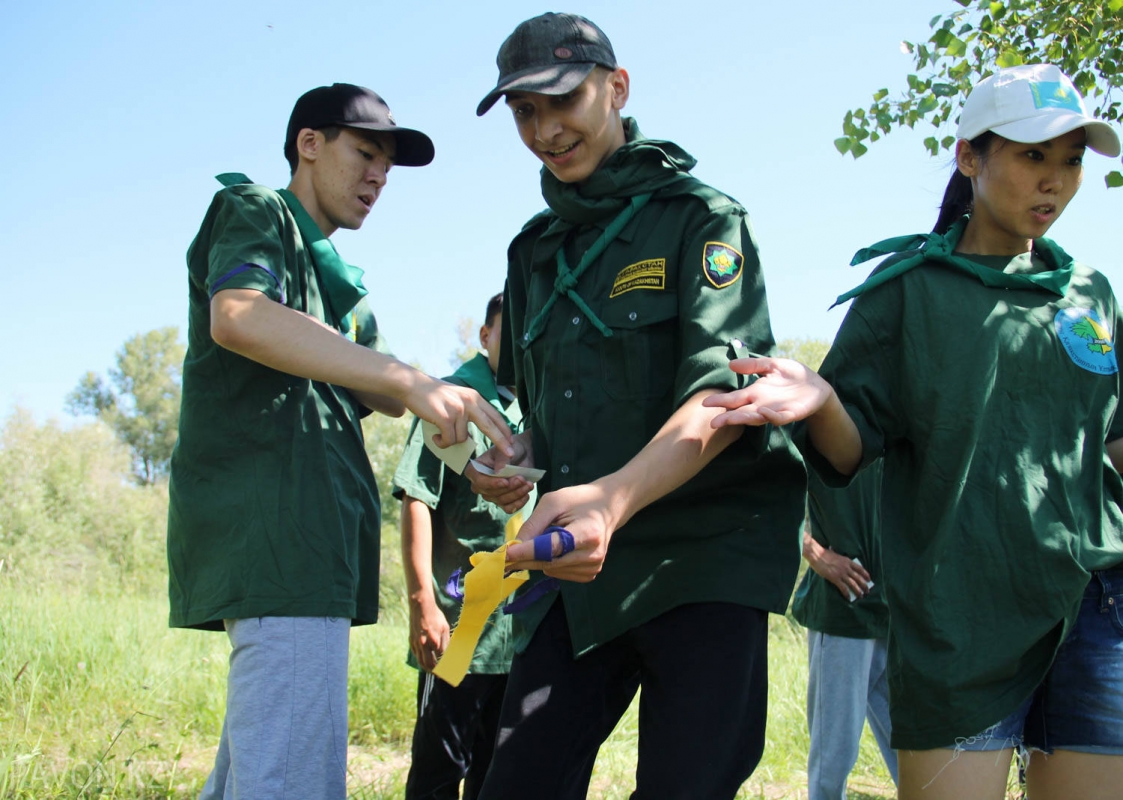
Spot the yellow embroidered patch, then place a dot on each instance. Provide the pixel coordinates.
(649, 274)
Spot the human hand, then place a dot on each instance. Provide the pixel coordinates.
(452, 407)
(512, 493)
(586, 512)
(848, 576)
(785, 391)
(428, 632)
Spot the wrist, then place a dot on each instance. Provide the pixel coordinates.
(422, 598)
(401, 381)
(619, 500)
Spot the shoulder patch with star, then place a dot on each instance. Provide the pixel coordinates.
(721, 264)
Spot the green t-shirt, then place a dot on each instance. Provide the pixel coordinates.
(991, 407)
(273, 507)
(681, 292)
(848, 522)
(463, 522)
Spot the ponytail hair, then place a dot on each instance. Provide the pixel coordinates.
(958, 196)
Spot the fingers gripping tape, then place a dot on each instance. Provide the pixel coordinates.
(544, 543)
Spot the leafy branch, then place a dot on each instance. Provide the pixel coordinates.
(1082, 37)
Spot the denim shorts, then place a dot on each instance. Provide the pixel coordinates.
(1079, 704)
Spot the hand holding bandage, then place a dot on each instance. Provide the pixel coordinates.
(489, 583)
(586, 513)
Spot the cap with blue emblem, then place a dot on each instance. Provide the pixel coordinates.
(1033, 103)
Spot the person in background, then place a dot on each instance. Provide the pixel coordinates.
(443, 524)
(841, 602)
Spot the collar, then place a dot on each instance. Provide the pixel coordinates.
(340, 282)
(639, 166)
(940, 249)
(475, 373)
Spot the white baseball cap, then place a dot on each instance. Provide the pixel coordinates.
(1032, 103)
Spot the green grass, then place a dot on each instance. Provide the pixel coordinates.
(98, 698)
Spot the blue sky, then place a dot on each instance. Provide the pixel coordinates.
(118, 115)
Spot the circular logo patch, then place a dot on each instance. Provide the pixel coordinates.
(563, 52)
(1087, 340)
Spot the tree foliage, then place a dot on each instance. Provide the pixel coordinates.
(68, 515)
(467, 338)
(385, 442)
(140, 401)
(809, 352)
(1082, 37)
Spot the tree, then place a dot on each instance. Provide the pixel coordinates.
(140, 402)
(809, 352)
(1082, 37)
(467, 337)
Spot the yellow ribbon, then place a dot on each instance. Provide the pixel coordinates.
(485, 588)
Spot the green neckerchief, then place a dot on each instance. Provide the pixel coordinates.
(940, 248)
(341, 283)
(639, 166)
(475, 373)
(566, 280)
(610, 197)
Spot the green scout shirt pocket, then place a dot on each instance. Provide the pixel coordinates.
(638, 361)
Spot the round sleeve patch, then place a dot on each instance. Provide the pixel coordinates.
(1087, 340)
(721, 263)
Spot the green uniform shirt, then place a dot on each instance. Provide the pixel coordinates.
(848, 522)
(273, 507)
(991, 406)
(681, 292)
(463, 522)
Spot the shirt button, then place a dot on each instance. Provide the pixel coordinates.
(632, 316)
(565, 469)
(738, 343)
(577, 320)
(568, 393)
(526, 337)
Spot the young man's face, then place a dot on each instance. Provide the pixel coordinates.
(489, 340)
(573, 134)
(347, 176)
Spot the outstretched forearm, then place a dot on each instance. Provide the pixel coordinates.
(680, 450)
(247, 322)
(833, 433)
(593, 512)
(252, 325)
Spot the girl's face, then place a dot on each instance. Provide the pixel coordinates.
(1020, 190)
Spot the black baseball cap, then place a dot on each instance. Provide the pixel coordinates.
(356, 107)
(550, 54)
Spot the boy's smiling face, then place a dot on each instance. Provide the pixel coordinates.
(573, 134)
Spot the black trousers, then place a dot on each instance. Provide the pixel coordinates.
(704, 672)
(454, 736)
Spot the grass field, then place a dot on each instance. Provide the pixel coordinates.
(98, 698)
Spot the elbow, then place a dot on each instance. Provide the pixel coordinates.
(227, 329)
(846, 463)
(394, 408)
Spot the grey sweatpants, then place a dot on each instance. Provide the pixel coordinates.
(285, 732)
